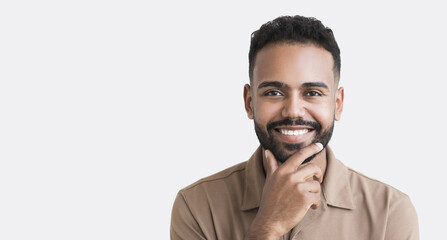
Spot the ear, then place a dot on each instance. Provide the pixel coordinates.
(339, 103)
(248, 100)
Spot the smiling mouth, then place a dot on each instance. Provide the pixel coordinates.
(293, 132)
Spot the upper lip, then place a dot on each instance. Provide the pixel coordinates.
(294, 127)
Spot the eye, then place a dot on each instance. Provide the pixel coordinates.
(273, 93)
(313, 94)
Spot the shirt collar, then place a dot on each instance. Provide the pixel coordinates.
(254, 181)
(336, 187)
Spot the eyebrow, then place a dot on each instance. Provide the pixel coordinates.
(278, 84)
(273, 84)
(314, 84)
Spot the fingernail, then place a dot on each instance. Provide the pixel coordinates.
(319, 145)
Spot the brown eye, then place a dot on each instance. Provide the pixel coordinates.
(273, 93)
(313, 94)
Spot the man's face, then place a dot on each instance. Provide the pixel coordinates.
(294, 98)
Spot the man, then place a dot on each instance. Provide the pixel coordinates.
(293, 187)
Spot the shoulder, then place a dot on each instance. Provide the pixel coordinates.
(211, 205)
(222, 185)
(220, 176)
(396, 208)
(370, 186)
(386, 205)
(361, 181)
(217, 195)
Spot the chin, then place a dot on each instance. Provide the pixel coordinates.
(288, 150)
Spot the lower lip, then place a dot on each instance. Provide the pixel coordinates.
(294, 138)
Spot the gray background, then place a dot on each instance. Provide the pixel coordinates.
(108, 108)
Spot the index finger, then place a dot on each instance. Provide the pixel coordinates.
(296, 159)
(270, 163)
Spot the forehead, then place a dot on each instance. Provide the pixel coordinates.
(293, 64)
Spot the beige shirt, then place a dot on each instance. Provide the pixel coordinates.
(353, 206)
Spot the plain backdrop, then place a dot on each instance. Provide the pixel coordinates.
(108, 108)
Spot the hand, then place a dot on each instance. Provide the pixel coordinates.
(289, 191)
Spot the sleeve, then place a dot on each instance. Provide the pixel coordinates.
(183, 223)
(402, 221)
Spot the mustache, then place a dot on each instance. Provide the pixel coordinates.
(293, 122)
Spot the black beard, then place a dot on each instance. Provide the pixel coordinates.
(267, 141)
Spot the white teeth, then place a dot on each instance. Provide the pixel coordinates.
(294, 132)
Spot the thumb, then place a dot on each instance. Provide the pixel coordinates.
(270, 163)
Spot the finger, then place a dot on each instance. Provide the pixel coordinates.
(296, 159)
(309, 172)
(312, 186)
(315, 206)
(271, 164)
(314, 200)
(319, 179)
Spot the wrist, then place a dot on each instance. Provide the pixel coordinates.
(261, 236)
(258, 231)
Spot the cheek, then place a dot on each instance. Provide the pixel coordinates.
(266, 112)
(323, 113)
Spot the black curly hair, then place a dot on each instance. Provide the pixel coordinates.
(294, 29)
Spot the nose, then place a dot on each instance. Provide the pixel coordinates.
(293, 107)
